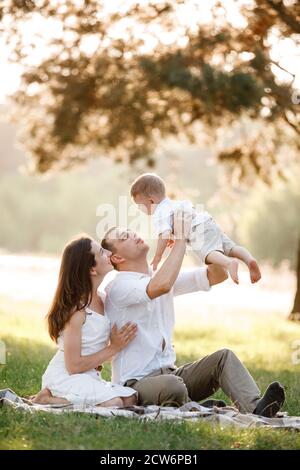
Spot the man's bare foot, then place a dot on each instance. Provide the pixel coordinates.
(43, 397)
(254, 270)
(233, 270)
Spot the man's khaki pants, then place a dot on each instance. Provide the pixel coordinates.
(198, 380)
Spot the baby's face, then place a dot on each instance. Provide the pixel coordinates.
(144, 203)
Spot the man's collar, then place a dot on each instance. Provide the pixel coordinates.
(136, 274)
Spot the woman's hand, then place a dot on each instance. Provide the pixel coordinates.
(119, 339)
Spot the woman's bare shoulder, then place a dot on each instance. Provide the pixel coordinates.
(78, 318)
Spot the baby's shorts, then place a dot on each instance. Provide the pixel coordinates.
(207, 237)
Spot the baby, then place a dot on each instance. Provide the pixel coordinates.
(206, 237)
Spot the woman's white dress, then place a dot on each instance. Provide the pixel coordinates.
(87, 387)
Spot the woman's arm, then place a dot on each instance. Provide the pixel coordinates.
(75, 362)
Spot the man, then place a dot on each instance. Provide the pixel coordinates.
(148, 363)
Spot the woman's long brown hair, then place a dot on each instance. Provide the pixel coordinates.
(74, 288)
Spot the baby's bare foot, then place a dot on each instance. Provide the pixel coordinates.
(43, 397)
(233, 270)
(254, 270)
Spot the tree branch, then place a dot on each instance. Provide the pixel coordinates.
(282, 68)
(296, 129)
(284, 15)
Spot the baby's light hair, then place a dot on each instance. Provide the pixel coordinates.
(148, 184)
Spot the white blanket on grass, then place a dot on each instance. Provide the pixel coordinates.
(192, 411)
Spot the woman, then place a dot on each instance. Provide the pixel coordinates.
(78, 324)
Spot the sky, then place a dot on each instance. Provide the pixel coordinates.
(284, 51)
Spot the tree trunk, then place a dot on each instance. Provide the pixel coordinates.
(295, 313)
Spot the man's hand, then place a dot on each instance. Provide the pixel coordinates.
(216, 274)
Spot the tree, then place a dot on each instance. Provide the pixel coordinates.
(108, 82)
(117, 81)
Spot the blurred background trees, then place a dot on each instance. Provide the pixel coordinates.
(117, 80)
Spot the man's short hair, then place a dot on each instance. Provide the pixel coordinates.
(108, 243)
(148, 184)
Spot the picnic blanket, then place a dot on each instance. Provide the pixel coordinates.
(192, 411)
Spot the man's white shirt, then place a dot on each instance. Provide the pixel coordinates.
(127, 300)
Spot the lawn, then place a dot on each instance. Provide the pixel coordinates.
(264, 343)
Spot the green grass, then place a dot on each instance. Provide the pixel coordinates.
(264, 344)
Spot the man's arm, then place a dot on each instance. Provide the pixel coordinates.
(137, 291)
(199, 279)
(162, 243)
(162, 282)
